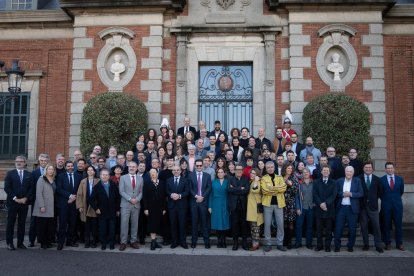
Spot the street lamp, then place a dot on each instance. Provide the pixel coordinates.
(15, 77)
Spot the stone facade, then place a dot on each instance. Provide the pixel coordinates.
(65, 54)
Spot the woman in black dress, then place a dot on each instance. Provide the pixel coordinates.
(155, 205)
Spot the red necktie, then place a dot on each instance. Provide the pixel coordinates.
(392, 183)
(133, 182)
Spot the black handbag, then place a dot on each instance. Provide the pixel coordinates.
(259, 208)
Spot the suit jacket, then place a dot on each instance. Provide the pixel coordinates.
(183, 189)
(299, 148)
(213, 132)
(126, 192)
(205, 186)
(237, 193)
(392, 199)
(14, 188)
(181, 130)
(83, 199)
(36, 174)
(324, 193)
(371, 195)
(356, 190)
(264, 141)
(107, 205)
(64, 189)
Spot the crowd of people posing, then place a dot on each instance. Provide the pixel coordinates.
(202, 182)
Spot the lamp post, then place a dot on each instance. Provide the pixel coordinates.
(15, 77)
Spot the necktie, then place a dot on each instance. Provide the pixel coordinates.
(133, 182)
(325, 181)
(392, 183)
(199, 184)
(42, 171)
(71, 181)
(176, 181)
(21, 176)
(368, 182)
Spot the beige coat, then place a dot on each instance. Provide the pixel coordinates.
(81, 196)
(45, 197)
(254, 197)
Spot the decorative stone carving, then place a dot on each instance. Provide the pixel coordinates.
(225, 4)
(116, 75)
(336, 60)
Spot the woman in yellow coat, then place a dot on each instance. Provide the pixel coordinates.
(255, 208)
(87, 213)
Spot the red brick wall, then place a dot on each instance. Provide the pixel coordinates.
(399, 83)
(281, 86)
(170, 65)
(54, 59)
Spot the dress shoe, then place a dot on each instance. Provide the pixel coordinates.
(207, 245)
(365, 248)
(173, 245)
(43, 246)
(387, 247)
(166, 242)
(184, 245)
(93, 245)
(245, 246)
(49, 245)
(350, 249)
(235, 245)
(103, 247)
(21, 246)
(152, 245)
(31, 244)
(267, 248)
(401, 247)
(193, 245)
(142, 241)
(135, 245)
(379, 250)
(337, 249)
(72, 244)
(298, 246)
(309, 247)
(157, 245)
(327, 249)
(281, 248)
(60, 247)
(289, 246)
(111, 247)
(11, 247)
(122, 247)
(317, 249)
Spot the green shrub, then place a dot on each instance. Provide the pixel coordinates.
(340, 121)
(112, 119)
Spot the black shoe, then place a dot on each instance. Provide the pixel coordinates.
(309, 247)
(337, 249)
(298, 246)
(317, 249)
(193, 245)
(174, 245)
(207, 245)
(379, 250)
(60, 247)
(152, 245)
(21, 246)
(31, 244)
(328, 249)
(11, 247)
(235, 245)
(142, 241)
(111, 247)
(267, 248)
(281, 248)
(184, 245)
(166, 242)
(245, 246)
(103, 247)
(365, 248)
(49, 245)
(72, 244)
(157, 245)
(350, 249)
(93, 245)
(289, 246)
(43, 246)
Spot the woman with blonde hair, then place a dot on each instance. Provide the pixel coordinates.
(44, 207)
(255, 208)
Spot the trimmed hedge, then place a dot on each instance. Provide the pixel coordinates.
(112, 119)
(340, 121)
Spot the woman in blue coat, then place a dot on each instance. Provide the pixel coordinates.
(218, 207)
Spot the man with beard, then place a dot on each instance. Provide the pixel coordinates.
(279, 142)
(310, 148)
(217, 130)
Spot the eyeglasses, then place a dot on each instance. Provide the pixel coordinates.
(198, 166)
(92, 157)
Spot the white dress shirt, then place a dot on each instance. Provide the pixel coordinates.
(347, 188)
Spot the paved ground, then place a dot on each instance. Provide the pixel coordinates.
(167, 261)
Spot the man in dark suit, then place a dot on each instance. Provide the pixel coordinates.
(43, 159)
(186, 128)
(347, 207)
(217, 130)
(178, 191)
(369, 206)
(106, 202)
(200, 186)
(67, 185)
(391, 206)
(238, 190)
(18, 186)
(324, 195)
(296, 146)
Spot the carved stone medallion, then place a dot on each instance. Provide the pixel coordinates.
(225, 4)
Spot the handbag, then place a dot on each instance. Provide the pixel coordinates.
(259, 208)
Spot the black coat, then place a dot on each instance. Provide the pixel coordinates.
(370, 198)
(14, 188)
(154, 199)
(237, 193)
(64, 189)
(324, 193)
(108, 206)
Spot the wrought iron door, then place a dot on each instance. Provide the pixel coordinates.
(14, 126)
(226, 94)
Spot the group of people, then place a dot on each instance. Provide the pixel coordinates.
(201, 182)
